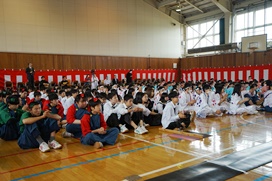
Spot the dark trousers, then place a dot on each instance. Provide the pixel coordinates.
(113, 121)
(75, 129)
(268, 109)
(127, 118)
(41, 128)
(177, 124)
(10, 130)
(109, 138)
(30, 81)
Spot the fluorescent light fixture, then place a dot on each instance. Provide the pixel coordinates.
(178, 9)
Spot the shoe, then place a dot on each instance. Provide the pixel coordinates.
(54, 144)
(98, 145)
(146, 125)
(138, 130)
(144, 129)
(66, 134)
(44, 147)
(201, 115)
(193, 116)
(123, 129)
(64, 125)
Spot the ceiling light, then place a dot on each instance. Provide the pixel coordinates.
(178, 10)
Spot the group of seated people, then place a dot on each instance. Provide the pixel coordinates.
(97, 116)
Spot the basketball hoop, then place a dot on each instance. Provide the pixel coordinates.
(252, 50)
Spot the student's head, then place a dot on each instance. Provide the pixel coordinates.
(206, 88)
(74, 92)
(42, 77)
(62, 93)
(219, 88)
(173, 96)
(150, 92)
(253, 87)
(35, 109)
(187, 87)
(64, 77)
(53, 98)
(37, 96)
(95, 105)
(140, 98)
(128, 100)
(237, 89)
(102, 96)
(23, 93)
(113, 98)
(13, 102)
(164, 97)
(198, 90)
(81, 101)
(88, 95)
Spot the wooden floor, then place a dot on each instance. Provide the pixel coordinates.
(147, 156)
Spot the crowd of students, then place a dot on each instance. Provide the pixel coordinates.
(97, 116)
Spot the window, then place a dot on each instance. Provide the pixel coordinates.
(196, 32)
(255, 22)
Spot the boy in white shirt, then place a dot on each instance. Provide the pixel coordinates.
(110, 113)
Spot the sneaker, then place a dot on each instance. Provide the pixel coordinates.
(123, 129)
(66, 134)
(98, 145)
(146, 125)
(54, 144)
(144, 129)
(138, 130)
(44, 147)
(193, 116)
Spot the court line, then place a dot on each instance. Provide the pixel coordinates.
(251, 122)
(88, 161)
(167, 147)
(31, 150)
(180, 163)
(264, 177)
(75, 156)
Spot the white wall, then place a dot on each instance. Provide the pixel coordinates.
(91, 27)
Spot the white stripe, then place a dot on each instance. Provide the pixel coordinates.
(169, 76)
(154, 76)
(218, 75)
(233, 75)
(77, 78)
(226, 75)
(256, 74)
(164, 76)
(50, 78)
(19, 78)
(265, 73)
(248, 74)
(173, 76)
(138, 76)
(160, 145)
(159, 76)
(212, 75)
(206, 75)
(189, 77)
(7, 78)
(123, 76)
(181, 163)
(199, 75)
(144, 76)
(194, 76)
(149, 75)
(240, 76)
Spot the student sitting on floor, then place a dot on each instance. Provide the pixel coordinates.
(202, 105)
(126, 112)
(37, 128)
(237, 105)
(110, 113)
(172, 116)
(37, 98)
(253, 96)
(54, 106)
(74, 116)
(162, 103)
(94, 127)
(268, 99)
(9, 119)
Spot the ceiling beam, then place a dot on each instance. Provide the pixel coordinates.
(165, 2)
(204, 15)
(224, 5)
(194, 6)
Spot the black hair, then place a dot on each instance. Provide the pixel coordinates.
(68, 93)
(111, 95)
(13, 99)
(52, 96)
(237, 89)
(61, 91)
(79, 97)
(127, 97)
(102, 95)
(32, 104)
(252, 86)
(73, 91)
(173, 94)
(218, 88)
(163, 96)
(205, 87)
(94, 102)
(88, 94)
(36, 93)
(138, 98)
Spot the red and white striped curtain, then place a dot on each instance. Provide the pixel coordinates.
(79, 75)
(229, 73)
